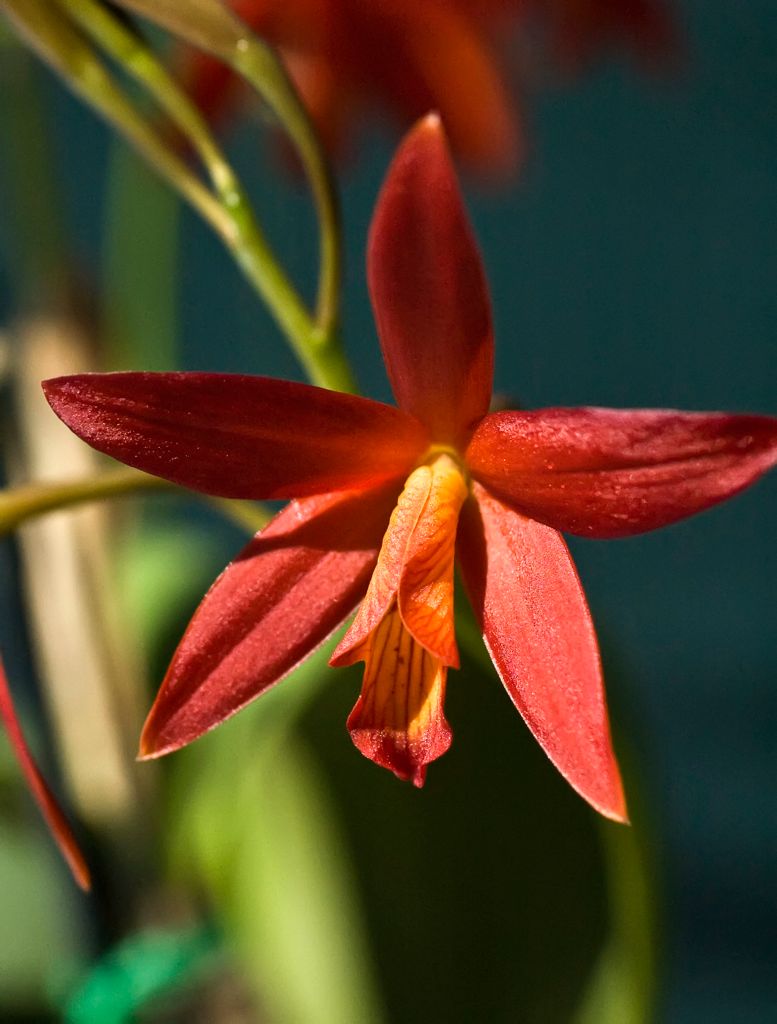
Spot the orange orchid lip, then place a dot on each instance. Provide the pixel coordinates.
(399, 721)
(386, 498)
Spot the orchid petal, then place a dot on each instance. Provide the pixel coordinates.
(45, 799)
(429, 292)
(382, 589)
(398, 721)
(425, 594)
(449, 64)
(538, 631)
(611, 473)
(273, 606)
(238, 436)
(415, 565)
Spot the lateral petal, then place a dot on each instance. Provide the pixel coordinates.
(398, 721)
(429, 292)
(237, 436)
(274, 605)
(45, 799)
(612, 473)
(538, 630)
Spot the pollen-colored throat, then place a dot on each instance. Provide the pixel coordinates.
(398, 721)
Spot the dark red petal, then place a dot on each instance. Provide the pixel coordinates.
(45, 799)
(237, 436)
(428, 290)
(537, 627)
(272, 607)
(612, 473)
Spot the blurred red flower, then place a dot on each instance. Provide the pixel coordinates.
(410, 56)
(493, 488)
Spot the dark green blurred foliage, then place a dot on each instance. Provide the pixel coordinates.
(485, 890)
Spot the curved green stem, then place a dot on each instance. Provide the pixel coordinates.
(262, 68)
(210, 26)
(18, 504)
(248, 243)
(27, 501)
(47, 27)
(51, 34)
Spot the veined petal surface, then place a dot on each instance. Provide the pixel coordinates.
(45, 799)
(274, 605)
(425, 594)
(612, 473)
(384, 583)
(415, 565)
(238, 436)
(538, 630)
(429, 292)
(398, 721)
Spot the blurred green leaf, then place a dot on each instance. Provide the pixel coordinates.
(41, 944)
(622, 986)
(164, 568)
(140, 279)
(253, 821)
(139, 970)
(37, 258)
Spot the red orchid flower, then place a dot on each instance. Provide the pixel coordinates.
(445, 475)
(410, 56)
(404, 56)
(45, 799)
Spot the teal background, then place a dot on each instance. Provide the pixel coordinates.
(633, 264)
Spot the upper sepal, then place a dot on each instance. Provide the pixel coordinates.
(429, 291)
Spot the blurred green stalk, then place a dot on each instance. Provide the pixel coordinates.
(140, 266)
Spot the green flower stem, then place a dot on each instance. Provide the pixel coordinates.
(246, 239)
(209, 25)
(248, 515)
(261, 67)
(19, 504)
(46, 28)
